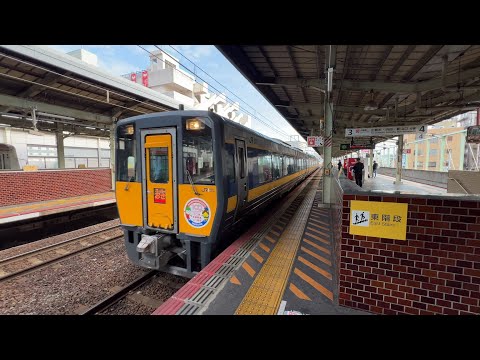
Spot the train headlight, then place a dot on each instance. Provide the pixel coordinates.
(195, 124)
(129, 130)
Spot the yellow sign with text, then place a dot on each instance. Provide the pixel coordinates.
(380, 219)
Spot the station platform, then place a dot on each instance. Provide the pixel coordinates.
(383, 182)
(284, 265)
(10, 214)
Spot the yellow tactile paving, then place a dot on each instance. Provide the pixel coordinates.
(315, 267)
(266, 292)
(316, 256)
(235, 281)
(321, 248)
(299, 293)
(257, 257)
(248, 269)
(317, 238)
(315, 284)
(7, 210)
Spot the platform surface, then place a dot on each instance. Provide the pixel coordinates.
(15, 213)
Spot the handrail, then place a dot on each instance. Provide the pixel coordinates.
(466, 192)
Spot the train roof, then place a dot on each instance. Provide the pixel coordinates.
(210, 113)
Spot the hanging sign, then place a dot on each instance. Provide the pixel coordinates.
(387, 130)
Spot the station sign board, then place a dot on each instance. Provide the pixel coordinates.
(379, 219)
(387, 130)
(473, 134)
(314, 141)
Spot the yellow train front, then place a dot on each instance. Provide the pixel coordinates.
(185, 178)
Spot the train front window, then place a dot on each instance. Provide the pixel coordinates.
(125, 150)
(159, 165)
(198, 152)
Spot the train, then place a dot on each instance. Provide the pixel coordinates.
(184, 179)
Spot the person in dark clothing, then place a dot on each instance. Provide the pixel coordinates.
(375, 165)
(358, 170)
(339, 165)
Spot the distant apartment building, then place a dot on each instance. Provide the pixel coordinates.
(165, 76)
(443, 148)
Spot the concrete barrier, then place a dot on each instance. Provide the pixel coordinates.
(434, 178)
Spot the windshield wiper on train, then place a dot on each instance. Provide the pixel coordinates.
(190, 180)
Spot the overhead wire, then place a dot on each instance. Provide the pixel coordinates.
(271, 126)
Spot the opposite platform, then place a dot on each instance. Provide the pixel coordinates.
(9, 214)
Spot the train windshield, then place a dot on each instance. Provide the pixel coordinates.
(198, 151)
(125, 159)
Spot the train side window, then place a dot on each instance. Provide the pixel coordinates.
(241, 158)
(232, 190)
(277, 166)
(125, 151)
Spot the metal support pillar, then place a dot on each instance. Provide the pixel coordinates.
(327, 155)
(60, 146)
(462, 150)
(370, 164)
(415, 158)
(398, 179)
(8, 136)
(112, 153)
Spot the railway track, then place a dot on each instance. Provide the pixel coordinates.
(23, 263)
(120, 294)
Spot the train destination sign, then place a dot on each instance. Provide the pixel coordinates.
(387, 130)
(379, 219)
(473, 134)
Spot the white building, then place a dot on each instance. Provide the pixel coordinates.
(41, 150)
(165, 76)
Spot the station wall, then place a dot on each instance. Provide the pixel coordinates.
(19, 187)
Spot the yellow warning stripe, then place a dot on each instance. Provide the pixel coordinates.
(257, 257)
(235, 281)
(315, 284)
(265, 294)
(264, 247)
(299, 293)
(248, 269)
(321, 248)
(318, 238)
(316, 230)
(272, 240)
(315, 267)
(318, 257)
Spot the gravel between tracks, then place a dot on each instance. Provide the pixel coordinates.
(55, 239)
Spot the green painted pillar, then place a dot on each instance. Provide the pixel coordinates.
(415, 157)
(462, 149)
(427, 155)
(442, 153)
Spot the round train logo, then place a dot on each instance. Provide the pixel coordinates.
(197, 212)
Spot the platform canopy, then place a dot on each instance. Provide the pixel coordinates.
(68, 93)
(371, 85)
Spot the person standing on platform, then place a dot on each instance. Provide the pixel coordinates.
(375, 165)
(358, 171)
(339, 165)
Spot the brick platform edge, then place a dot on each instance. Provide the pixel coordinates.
(20, 187)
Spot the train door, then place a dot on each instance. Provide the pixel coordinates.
(242, 175)
(160, 184)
